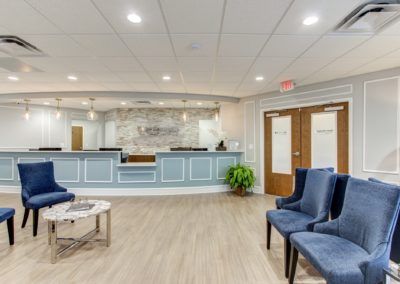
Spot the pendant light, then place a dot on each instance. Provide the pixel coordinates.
(216, 111)
(58, 110)
(184, 116)
(91, 115)
(27, 112)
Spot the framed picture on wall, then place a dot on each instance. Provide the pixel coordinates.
(233, 145)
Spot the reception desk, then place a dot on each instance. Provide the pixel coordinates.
(102, 173)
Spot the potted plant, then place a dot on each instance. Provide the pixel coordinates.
(221, 146)
(241, 178)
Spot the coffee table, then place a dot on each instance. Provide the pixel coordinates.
(58, 213)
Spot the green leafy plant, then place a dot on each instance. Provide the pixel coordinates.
(241, 178)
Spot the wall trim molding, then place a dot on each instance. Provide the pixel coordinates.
(224, 158)
(190, 167)
(245, 132)
(12, 168)
(99, 181)
(78, 169)
(364, 154)
(162, 170)
(138, 172)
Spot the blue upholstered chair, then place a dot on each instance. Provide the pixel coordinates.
(300, 181)
(303, 214)
(339, 194)
(8, 214)
(353, 248)
(39, 189)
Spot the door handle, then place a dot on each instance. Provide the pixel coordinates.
(297, 154)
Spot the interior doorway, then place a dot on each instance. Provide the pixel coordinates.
(77, 138)
(316, 136)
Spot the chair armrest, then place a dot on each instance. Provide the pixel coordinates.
(322, 217)
(328, 228)
(59, 188)
(282, 201)
(373, 265)
(295, 206)
(24, 195)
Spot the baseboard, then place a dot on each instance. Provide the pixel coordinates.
(133, 191)
(258, 189)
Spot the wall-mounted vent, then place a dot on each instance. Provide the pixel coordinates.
(370, 17)
(142, 102)
(15, 46)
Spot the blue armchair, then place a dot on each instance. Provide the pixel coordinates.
(300, 181)
(8, 214)
(355, 247)
(339, 194)
(39, 189)
(303, 214)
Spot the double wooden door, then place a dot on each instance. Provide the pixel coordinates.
(308, 137)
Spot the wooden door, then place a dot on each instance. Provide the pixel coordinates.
(333, 139)
(282, 150)
(77, 138)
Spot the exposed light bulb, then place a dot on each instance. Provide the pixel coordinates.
(91, 115)
(27, 114)
(58, 115)
(216, 116)
(184, 116)
(216, 113)
(58, 111)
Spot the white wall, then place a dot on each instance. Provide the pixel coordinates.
(232, 122)
(382, 113)
(42, 129)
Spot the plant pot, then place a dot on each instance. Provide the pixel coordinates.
(239, 191)
(220, 148)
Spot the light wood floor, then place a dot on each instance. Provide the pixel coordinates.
(208, 238)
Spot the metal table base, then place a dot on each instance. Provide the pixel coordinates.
(88, 237)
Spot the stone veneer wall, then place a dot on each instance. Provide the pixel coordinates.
(145, 130)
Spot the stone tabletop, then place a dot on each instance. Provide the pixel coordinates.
(59, 212)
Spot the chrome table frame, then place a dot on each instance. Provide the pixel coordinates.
(88, 237)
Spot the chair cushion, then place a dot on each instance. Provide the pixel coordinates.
(47, 199)
(337, 259)
(6, 213)
(288, 221)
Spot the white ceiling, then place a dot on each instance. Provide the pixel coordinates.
(238, 39)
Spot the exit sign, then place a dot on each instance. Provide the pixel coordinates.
(287, 86)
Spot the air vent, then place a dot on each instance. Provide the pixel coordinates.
(18, 47)
(142, 102)
(370, 17)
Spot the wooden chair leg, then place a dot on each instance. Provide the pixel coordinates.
(268, 235)
(26, 215)
(293, 263)
(10, 226)
(287, 249)
(35, 221)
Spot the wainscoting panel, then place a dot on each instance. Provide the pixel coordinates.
(66, 169)
(6, 168)
(381, 126)
(200, 168)
(99, 170)
(136, 177)
(172, 169)
(223, 164)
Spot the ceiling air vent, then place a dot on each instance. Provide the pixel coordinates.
(17, 47)
(370, 17)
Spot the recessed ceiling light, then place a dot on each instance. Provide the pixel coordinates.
(134, 18)
(196, 45)
(166, 78)
(123, 103)
(84, 103)
(310, 20)
(13, 78)
(72, 78)
(46, 103)
(199, 103)
(160, 103)
(259, 78)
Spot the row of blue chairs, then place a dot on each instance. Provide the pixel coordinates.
(355, 245)
(38, 190)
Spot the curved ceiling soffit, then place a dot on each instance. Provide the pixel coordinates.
(118, 95)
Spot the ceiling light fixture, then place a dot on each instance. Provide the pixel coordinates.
(259, 78)
(199, 103)
(72, 78)
(134, 18)
(184, 115)
(160, 103)
(91, 115)
(27, 113)
(13, 78)
(84, 103)
(310, 20)
(58, 110)
(216, 112)
(123, 103)
(46, 103)
(166, 78)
